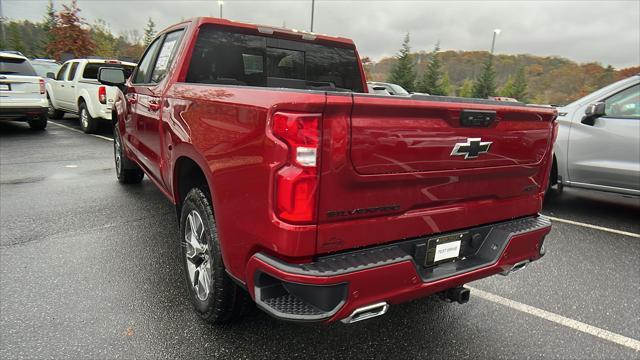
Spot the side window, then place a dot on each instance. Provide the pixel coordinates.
(61, 72)
(72, 71)
(625, 104)
(165, 56)
(143, 70)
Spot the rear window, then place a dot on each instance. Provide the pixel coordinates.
(16, 66)
(91, 70)
(223, 57)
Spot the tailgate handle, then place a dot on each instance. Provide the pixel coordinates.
(477, 118)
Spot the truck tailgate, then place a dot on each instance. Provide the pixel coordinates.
(399, 175)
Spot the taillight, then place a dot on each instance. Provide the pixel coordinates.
(42, 88)
(102, 95)
(297, 182)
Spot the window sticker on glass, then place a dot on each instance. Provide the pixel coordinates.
(165, 53)
(252, 64)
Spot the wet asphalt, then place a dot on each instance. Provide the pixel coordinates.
(90, 269)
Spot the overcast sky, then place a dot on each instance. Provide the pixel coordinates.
(584, 31)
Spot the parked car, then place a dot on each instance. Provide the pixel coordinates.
(22, 91)
(598, 144)
(284, 188)
(380, 90)
(392, 89)
(45, 68)
(76, 90)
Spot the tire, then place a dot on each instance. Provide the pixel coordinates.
(127, 171)
(88, 124)
(215, 296)
(39, 123)
(52, 112)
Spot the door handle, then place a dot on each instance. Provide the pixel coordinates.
(154, 105)
(131, 99)
(61, 85)
(73, 87)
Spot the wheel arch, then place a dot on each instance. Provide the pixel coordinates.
(187, 174)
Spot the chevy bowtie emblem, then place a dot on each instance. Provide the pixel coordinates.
(472, 148)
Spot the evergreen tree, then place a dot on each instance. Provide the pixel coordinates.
(431, 81)
(149, 32)
(403, 72)
(466, 90)
(516, 87)
(485, 84)
(48, 23)
(69, 35)
(14, 40)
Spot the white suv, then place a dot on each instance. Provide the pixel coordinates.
(22, 92)
(76, 89)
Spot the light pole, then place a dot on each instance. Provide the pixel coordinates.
(313, 5)
(220, 2)
(496, 32)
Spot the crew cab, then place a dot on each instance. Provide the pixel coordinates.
(598, 145)
(320, 201)
(75, 89)
(21, 91)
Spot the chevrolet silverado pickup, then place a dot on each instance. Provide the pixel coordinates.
(320, 201)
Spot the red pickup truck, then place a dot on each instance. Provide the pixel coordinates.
(320, 201)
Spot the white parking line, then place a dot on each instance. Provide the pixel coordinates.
(561, 320)
(81, 132)
(602, 228)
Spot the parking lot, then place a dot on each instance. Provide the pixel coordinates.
(91, 269)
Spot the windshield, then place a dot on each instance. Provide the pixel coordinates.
(43, 68)
(91, 70)
(222, 57)
(16, 66)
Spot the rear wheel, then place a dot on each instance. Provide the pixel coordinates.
(215, 296)
(88, 124)
(127, 172)
(52, 112)
(39, 123)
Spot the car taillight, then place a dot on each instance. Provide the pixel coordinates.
(297, 182)
(42, 89)
(102, 95)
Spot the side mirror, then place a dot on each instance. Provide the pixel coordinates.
(51, 75)
(111, 76)
(592, 112)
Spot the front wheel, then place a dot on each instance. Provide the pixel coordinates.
(88, 124)
(216, 298)
(126, 171)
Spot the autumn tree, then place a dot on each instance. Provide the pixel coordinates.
(105, 44)
(485, 84)
(403, 72)
(149, 32)
(431, 81)
(69, 34)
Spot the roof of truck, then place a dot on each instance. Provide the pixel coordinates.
(267, 30)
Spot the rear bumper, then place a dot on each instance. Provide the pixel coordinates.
(332, 287)
(22, 113)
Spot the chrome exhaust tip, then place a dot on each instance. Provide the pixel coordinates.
(518, 266)
(366, 312)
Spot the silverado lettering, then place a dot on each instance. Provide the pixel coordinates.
(257, 133)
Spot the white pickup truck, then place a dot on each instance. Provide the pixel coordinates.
(76, 89)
